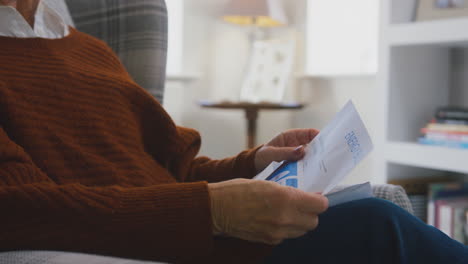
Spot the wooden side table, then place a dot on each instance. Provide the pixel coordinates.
(251, 113)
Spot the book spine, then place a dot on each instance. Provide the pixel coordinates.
(443, 143)
(456, 113)
(443, 132)
(445, 218)
(459, 222)
(447, 127)
(431, 213)
(451, 121)
(446, 137)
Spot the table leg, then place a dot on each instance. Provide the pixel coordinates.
(251, 115)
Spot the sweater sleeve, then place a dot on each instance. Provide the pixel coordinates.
(206, 169)
(156, 222)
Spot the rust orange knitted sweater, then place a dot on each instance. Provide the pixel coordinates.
(90, 162)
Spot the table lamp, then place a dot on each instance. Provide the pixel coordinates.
(266, 77)
(259, 13)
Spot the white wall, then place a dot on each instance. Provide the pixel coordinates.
(219, 51)
(326, 97)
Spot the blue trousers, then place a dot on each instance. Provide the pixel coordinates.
(370, 231)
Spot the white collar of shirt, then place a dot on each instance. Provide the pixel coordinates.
(47, 23)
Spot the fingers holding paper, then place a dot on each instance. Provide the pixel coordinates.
(286, 146)
(293, 138)
(263, 211)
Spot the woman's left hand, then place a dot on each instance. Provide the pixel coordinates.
(286, 146)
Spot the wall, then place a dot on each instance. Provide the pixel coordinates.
(219, 52)
(326, 97)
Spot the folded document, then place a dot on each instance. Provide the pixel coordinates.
(330, 156)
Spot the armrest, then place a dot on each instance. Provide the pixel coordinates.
(395, 194)
(55, 257)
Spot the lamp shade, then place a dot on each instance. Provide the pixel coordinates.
(262, 13)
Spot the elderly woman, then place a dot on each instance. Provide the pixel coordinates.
(90, 162)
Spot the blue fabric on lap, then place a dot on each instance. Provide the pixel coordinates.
(370, 231)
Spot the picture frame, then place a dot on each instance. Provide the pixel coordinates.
(268, 71)
(441, 9)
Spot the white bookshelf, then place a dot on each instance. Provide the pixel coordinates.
(450, 32)
(439, 158)
(416, 71)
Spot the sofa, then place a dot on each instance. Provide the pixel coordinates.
(137, 31)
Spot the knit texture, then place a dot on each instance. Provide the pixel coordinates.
(90, 162)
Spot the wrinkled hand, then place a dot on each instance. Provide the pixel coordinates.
(285, 146)
(263, 211)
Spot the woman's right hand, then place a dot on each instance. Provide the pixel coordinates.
(263, 211)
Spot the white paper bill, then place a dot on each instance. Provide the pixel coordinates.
(268, 170)
(350, 193)
(331, 155)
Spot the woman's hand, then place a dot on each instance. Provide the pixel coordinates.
(263, 211)
(286, 146)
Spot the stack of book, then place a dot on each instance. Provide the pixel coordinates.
(448, 209)
(449, 128)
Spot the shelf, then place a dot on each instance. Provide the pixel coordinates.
(313, 76)
(440, 158)
(183, 78)
(449, 32)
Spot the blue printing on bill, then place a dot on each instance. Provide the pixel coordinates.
(285, 175)
(354, 146)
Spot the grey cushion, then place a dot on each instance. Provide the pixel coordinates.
(393, 193)
(136, 30)
(55, 257)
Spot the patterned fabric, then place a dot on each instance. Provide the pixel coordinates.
(55, 257)
(393, 193)
(136, 30)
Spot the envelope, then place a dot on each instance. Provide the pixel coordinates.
(329, 157)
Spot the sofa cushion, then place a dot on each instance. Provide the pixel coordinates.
(393, 193)
(137, 32)
(56, 257)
